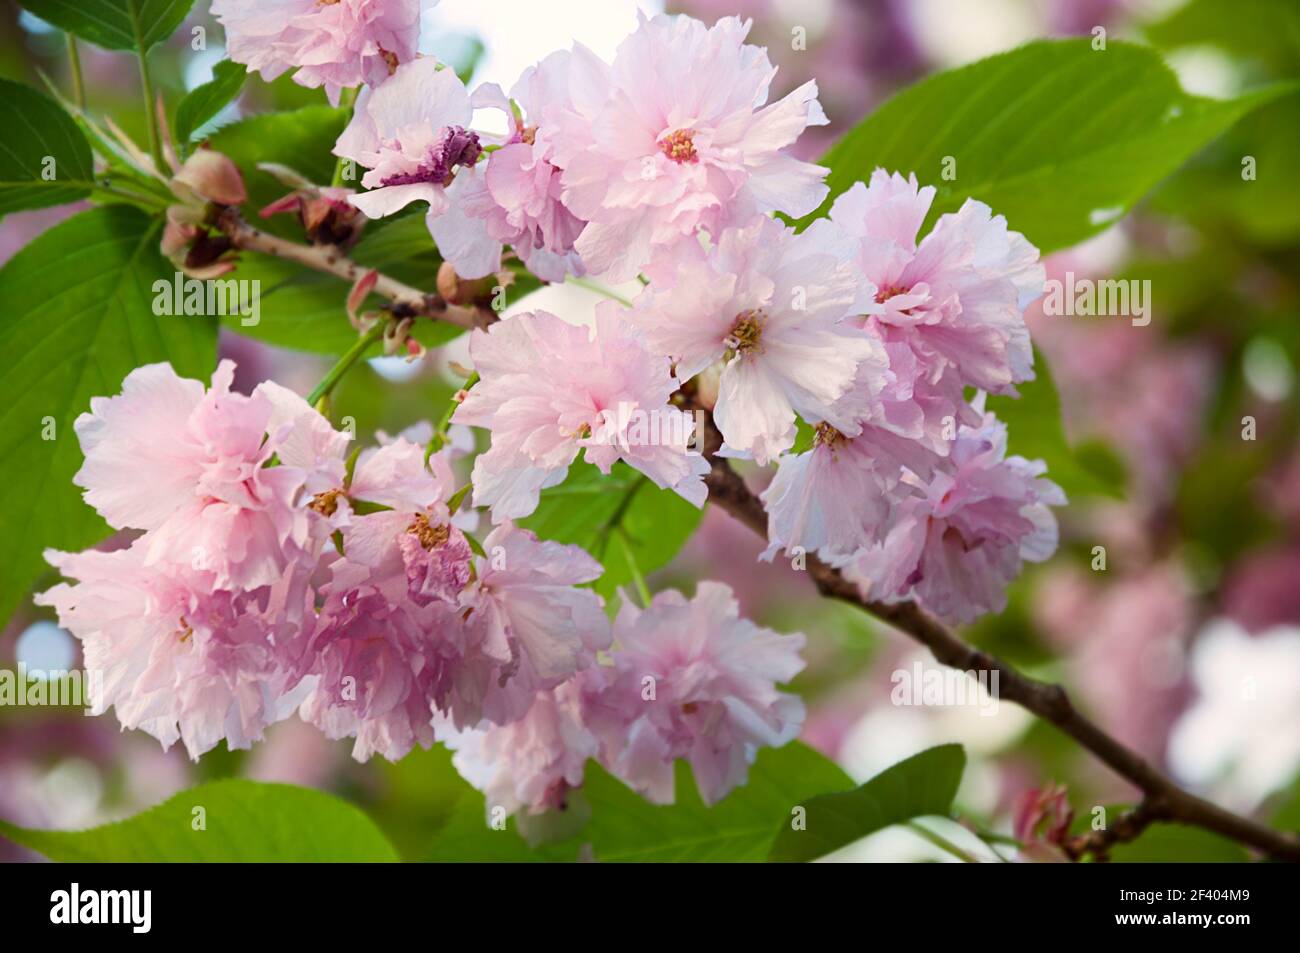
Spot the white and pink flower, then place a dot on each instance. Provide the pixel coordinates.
(550, 390)
(527, 612)
(174, 658)
(210, 500)
(514, 197)
(412, 135)
(674, 137)
(774, 306)
(959, 539)
(336, 44)
(696, 681)
(530, 765)
(958, 298)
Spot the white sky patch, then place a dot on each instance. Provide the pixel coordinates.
(1206, 71)
(953, 32)
(396, 368)
(44, 647)
(1240, 739)
(519, 33)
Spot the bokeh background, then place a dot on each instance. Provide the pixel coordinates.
(1187, 644)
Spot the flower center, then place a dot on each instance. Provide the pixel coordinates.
(827, 436)
(680, 146)
(428, 534)
(390, 58)
(325, 503)
(456, 146)
(747, 332)
(884, 294)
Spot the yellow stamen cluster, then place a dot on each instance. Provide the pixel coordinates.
(747, 332)
(325, 503)
(680, 146)
(828, 436)
(428, 534)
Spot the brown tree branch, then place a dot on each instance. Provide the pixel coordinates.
(1163, 799)
(405, 301)
(1127, 827)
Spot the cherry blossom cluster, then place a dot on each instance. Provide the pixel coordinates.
(667, 163)
(270, 571)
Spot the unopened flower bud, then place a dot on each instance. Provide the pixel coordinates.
(212, 177)
(457, 290)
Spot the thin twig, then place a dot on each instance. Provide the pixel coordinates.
(405, 301)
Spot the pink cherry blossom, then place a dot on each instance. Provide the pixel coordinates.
(957, 298)
(549, 390)
(412, 135)
(533, 763)
(210, 500)
(838, 497)
(390, 644)
(773, 305)
(958, 541)
(379, 666)
(176, 659)
(682, 141)
(514, 198)
(332, 43)
(414, 626)
(696, 681)
(526, 611)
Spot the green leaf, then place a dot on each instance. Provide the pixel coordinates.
(40, 140)
(202, 103)
(467, 838)
(583, 509)
(1060, 138)
(1177, 844)
(78, 317)
(114, 24)
(741, 827)
(925, 783)
(625, 827)
(242, 822)
(1036, 432)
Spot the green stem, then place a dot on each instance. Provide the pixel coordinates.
(642, 589)
(353, 354)
(440, 438)
(600, 290)
(146, 200)
(151, 113)
(941, 842)
(74, 64)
